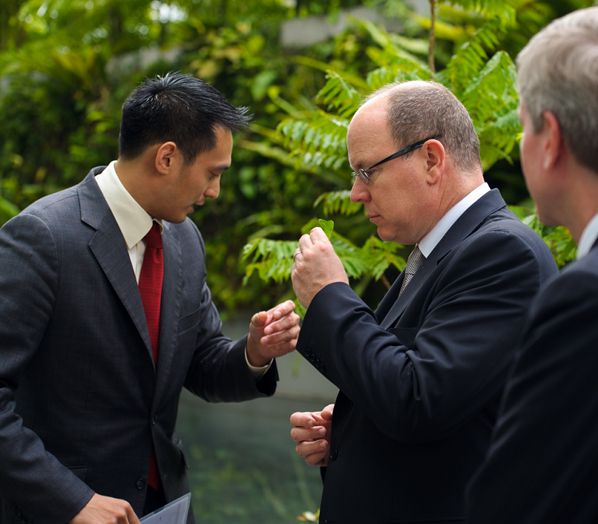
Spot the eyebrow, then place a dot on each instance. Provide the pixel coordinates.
(220, 168)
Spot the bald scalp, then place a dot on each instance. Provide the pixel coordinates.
(419, 109)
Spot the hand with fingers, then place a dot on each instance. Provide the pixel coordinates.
(272, 333)
(106, 510)
(311, 432)
(316, 265)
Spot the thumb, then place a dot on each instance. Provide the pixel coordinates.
(259, 320)
(326, 413)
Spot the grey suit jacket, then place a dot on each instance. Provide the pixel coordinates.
(543, 459)
(81, 402)
(420, 378)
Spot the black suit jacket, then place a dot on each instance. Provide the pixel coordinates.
(81, 402)
(420, 379)
(543, 460)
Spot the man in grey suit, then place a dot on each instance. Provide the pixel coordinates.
(543, 460)
(421, 376)
(89, 385)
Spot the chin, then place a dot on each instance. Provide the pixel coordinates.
(385, 235)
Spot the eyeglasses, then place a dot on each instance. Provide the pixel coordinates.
(366, 174)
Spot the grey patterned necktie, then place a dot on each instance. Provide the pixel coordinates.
(414, 261)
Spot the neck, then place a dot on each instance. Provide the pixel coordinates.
(136, 176)
(580, 202)
(458, 187)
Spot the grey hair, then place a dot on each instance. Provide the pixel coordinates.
(558, 72)
(421, 109)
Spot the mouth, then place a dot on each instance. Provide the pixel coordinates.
(372, 217)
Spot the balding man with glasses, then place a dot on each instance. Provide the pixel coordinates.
(421, 376)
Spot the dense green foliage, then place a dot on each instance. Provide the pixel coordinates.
(475, 65)
(66, 67)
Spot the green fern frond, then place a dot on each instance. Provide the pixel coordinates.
(337, 94)
(338, 203)
(493, 91)
(398, 71)
(318, 142)
(498, 138)
(272, 259)
(381, 255)
(486, 7)
(322, 133)
(471, 57)
(298, 161)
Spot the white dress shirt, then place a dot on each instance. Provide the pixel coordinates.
(588, 237)
(133, 221)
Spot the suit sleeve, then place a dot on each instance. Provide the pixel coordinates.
(30, 477)
(419, 381)
(543, 459)
(218, 370)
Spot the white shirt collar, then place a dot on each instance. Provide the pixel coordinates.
(134, 222)
(434, 236)
(588, 237)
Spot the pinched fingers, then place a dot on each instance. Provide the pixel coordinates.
(281, 310)
(282, 324)
(281, 341)
(313, 452)
(301, 434)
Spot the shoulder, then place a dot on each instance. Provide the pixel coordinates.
(53, 208)
(504, 224)
(504, 243)
(574, 288)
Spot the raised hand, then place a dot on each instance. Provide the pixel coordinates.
(272, 333)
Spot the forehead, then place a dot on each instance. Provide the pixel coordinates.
(368, 134)
(220, 154)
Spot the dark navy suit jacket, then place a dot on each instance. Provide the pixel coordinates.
(420, 378)
(81, 402)
(543, 460)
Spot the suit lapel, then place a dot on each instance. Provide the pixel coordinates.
(467, 223)
(109, 248)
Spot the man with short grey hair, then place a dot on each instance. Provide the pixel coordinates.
(420, 377)
(543, 460)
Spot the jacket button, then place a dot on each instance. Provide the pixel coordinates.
(140, 484)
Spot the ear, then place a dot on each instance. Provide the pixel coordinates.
(553, 140)
(165, 156)
(435, 158)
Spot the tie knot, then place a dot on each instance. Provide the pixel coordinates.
(154, 236)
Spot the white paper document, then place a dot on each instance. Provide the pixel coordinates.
(174, 512)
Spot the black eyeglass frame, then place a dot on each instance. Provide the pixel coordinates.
(366, 175)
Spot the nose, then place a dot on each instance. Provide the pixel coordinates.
(213, 189)
(359, 191)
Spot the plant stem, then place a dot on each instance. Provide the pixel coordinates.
(432, 38)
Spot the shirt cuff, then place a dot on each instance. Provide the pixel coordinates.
(258, 371)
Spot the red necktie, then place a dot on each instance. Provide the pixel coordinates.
(150, 284)
(150, 288)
